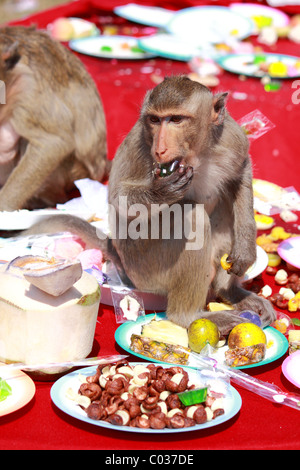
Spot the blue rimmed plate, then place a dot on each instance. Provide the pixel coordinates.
(59, 396)
(276, 341)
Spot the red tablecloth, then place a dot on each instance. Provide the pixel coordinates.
(122, 84)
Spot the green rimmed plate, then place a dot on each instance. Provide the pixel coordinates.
(277, 342)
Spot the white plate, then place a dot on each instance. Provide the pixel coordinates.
(232, 405)
(23, 390)
(210, 24)
(252, 10)
(289, 251)
(278, 344)
(151, 16)
(23, 219)
(243, 64)
(259, 266)
(120, 47)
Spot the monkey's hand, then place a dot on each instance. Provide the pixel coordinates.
(173, 187)
(259, 305)
(240, 261)
(224, 319)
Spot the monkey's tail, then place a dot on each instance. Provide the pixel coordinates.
(92, 237)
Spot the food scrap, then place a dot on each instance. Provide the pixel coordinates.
(5, 390)
(130, 307)
(294, 341)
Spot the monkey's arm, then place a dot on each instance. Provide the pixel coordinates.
(42, 156)
(243, 251)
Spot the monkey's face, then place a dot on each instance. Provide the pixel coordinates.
(171, 137)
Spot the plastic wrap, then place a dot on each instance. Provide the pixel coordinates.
(264, 389)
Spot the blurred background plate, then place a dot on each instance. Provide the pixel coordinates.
(110, 47)
(151, 16)
(246, 64)
(289, 251)
(261, 15)
(210, 25)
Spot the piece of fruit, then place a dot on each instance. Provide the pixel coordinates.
(159, 350)
(62, 29)
(273, 260)
(246, 334)
(166, 331)
(224, 263)
(263, 222)
(51, 275)
(217, 306)
(36, 327)
(202, 332)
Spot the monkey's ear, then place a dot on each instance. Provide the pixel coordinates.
(10, 56)
(218, 111)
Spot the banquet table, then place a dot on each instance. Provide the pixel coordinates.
(260, 424)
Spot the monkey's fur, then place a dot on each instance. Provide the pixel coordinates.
(52, 126)
(181, 119)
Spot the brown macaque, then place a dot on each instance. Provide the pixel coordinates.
(52, 124)
(186, 130)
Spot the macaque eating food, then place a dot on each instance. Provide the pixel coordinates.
(52, 124)
(186, 130)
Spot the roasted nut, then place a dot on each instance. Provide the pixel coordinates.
(91, 390)
(272, 270)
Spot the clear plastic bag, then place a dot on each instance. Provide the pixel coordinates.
(128, 303)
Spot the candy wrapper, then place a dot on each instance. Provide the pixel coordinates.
(255, 124)
(127, 304)
(283, 323)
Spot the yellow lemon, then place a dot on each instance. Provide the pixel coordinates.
(201, 332)
(246, 334)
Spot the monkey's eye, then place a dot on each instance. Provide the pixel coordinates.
(153, 119)
(176, 119)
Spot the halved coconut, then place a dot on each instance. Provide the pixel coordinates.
(36, 327)
(51, 275)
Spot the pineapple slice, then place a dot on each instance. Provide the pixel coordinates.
(167, 332)
(159, 350)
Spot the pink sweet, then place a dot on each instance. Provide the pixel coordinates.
(90, 258)
(68, 248)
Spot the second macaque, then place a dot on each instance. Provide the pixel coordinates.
(52, 124)
(185, 151)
